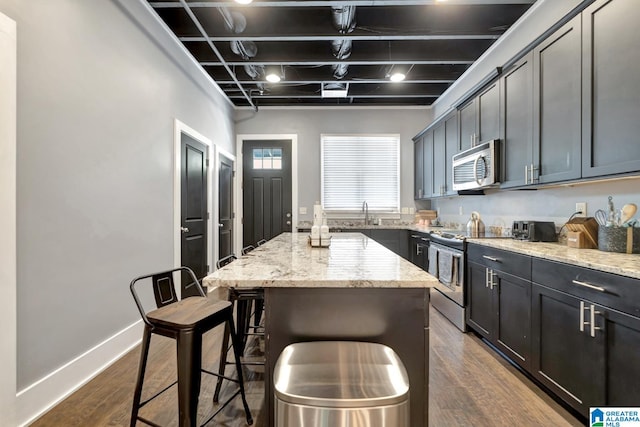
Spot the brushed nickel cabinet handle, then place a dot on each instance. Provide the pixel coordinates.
(590, 286)
(582, 322)
(594, 328)
(490, 258)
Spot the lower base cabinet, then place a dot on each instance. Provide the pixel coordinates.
(587, 354)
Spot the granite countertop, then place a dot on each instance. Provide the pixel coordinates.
(611, 262)
(351, 261)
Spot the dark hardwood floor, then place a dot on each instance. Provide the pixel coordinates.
(469, 385)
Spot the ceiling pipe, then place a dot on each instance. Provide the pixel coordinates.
(344, 20)
(217, 53)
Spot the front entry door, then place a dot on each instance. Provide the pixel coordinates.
(193, 221)
(225, 203)
(266, 170)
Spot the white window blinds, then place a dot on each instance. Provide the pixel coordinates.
(358, 168)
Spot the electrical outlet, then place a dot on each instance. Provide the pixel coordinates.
(581, 207)
(303, 210)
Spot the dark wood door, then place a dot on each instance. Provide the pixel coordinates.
(467, 125)
(558, 102)
(567, 359)
(193, 200)
(225, 207)
(418, 169)
(512, 325)
(488, 111)
(623, 356)
(266, 170)
(611, 88)
(517, 123)
(480, 314)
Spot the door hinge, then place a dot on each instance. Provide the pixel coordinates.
(207, 268)
(233, 215)
(206, 162)
(208, 216)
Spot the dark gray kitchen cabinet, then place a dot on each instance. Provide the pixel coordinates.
(566, 358)
(499, 300)
(586, 335)
(427, 170)
(439, 159)
(557, 105)
(452, 146)
(396, 241)
(419, 249)
(611, 88)
(517, 123)
(480, 118)
(418, 168)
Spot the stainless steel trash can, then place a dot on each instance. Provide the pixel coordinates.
(340, 384)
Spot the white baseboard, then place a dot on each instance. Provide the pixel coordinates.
(33, 401)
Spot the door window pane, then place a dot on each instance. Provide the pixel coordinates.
(267, 158)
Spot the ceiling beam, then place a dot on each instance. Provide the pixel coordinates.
(352, 81)
(329, 3)
(318, 96)
(334, 62)
(331, 37)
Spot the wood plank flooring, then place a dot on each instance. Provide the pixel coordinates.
(469, 385)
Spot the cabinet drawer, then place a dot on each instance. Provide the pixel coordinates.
(500, 260)
(618, 292)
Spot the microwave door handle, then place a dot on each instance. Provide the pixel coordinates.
(475, 169)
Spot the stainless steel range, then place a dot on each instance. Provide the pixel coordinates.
(447, 263)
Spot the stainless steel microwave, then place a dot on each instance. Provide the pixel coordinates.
(477, 167)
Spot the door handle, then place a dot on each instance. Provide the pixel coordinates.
(184, 229)
(288, 222)
(220, 225)
(594, 328)
(288, 214)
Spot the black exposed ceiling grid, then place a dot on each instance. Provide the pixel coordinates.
(434, 42)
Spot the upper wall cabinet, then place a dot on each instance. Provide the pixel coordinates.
(516, 132)
(418, 168)
(480, 118)
(557, 106)
(452, 146)
(427, 173)
(611, 90)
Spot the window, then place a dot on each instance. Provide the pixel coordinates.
(267, 158)
(358, 168)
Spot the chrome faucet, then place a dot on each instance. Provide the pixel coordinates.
(365, 209)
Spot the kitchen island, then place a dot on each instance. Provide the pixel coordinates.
(356, 289)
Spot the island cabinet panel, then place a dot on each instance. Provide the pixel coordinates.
(418, 169)
(517, 123)
(586, 330)
(396, 241)
(499, 302)
(557, 100)
(611, 89)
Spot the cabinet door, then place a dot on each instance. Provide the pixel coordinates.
(488, 111)
(480, 313)
(427, 177)
(557, 101)
(512, 302)
(392, 239)
(418, 169)
(611, 88)
(467, 125)
(567, 360)
(623, 357)
(439, 160)
(452, 146)
(517, 122)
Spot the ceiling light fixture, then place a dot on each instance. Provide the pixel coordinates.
(273, 78)
(397, 77)
(244, 1)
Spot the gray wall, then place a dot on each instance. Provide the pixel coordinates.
(96, 101)
(309, 124)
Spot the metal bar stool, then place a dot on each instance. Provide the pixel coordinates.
(242, 299)
(185, 321)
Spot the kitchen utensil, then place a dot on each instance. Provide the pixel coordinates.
(601, 217)
(611, 216)
(628, 211)
(475, 226)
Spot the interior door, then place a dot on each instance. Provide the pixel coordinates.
(225, 204)
(266, 175)
(193, 221)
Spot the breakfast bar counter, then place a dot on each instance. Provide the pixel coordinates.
(354, 290)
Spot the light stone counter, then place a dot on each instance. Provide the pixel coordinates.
(351, 261)
(611, 262)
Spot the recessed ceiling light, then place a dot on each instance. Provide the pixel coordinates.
(397, 77)
(244, 1)
(273, 78)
